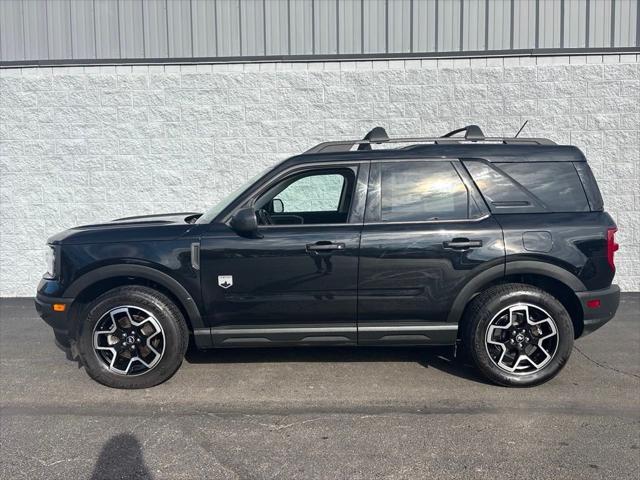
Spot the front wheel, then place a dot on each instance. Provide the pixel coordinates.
(518, 335)
(132, 337)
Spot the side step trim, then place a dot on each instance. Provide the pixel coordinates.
(410, 328)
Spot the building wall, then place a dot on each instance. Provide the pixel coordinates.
(72, 31)
(88, 144)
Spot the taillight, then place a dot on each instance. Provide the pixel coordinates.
(612, 246)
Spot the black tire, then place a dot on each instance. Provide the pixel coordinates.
(487, 308)
(165, 312)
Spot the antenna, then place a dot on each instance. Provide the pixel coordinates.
(521, 128)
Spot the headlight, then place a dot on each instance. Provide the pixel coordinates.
(50, 256)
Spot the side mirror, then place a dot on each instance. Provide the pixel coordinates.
(278, 205)
(245, 223)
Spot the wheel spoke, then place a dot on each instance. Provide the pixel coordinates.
(123, 339)
(521, 339)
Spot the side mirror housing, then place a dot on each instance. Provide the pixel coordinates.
(245, 223)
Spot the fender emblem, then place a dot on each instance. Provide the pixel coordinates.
(225, 281)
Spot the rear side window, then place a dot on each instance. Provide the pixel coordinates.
(515, 187)
(421, 191)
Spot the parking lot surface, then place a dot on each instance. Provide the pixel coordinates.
(335, 413)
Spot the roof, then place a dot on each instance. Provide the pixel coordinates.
(473, 145)
(492, 153)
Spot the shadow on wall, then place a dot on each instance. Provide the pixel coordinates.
(121, 457)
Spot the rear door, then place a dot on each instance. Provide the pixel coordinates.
(427, 232)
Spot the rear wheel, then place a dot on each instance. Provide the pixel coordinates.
(132, 337)
(518, 335)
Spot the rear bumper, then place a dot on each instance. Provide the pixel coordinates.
(595, 317)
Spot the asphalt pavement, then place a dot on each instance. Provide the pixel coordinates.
(334, 413)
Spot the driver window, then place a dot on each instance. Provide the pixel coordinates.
(315, 193)
(312, 197)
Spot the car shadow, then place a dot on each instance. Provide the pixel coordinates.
(439, 358)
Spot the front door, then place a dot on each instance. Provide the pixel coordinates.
(427, 232)
(296, 281)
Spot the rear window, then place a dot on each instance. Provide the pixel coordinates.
(529, 187)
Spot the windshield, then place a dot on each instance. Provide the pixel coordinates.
(214, 211)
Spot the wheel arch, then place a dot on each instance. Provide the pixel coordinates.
(94, 283)
(555, 280)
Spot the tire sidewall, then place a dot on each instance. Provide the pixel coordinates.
(160, 308)
(495, 304)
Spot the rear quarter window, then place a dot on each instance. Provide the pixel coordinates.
(529, 186)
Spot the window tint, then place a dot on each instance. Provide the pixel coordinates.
(497, 189)
(313, 193)
(556, 184)
(529, 186)
(419, 191)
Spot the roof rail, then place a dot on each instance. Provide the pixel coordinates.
(473, 134)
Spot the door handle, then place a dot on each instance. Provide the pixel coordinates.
(462, 244)
(324, 246)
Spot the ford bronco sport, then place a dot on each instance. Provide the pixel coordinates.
(499, 244)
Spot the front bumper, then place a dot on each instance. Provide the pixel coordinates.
(59, 321)
(595, 317)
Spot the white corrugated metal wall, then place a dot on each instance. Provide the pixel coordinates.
(73, 30)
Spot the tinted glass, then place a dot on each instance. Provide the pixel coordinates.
(498, 190)
(419, 191)
(315, 193)
(556, 184)
(530, 186)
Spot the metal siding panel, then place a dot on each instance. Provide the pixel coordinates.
(59, 29)
(153, 27)
(107, 28)
(575, 18)
(449, 26)
(524, 19)
(36, 44)
(625, 23)
(11, 31)
(549, 32)
(600, 23)
(204, 28)
(399, 26)
(179, 28)
(374, 22)
(325, 27)
(252, 28)
(350, 26)
(83, 33)
(424, 26)
(228, 28)
(132, 39)
(473, 25)
(301, 28)
(499, 30)
(276, 28)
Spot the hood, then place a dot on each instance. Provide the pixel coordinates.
(140, 228)
(158, 218)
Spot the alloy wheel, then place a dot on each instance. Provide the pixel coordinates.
(128, 340)
(522, 338)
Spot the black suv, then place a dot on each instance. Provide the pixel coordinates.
(499, 244)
